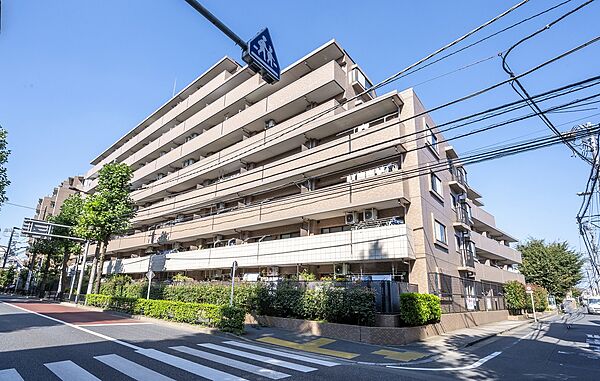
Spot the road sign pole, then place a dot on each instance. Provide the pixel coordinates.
(533, 307)
(218, 23)
(149, 275)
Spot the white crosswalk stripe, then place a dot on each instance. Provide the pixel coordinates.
(69, 371)
(189, 366)
(284, 354)
(131, 369)
(10, 375)
(260, 358)
(274, 375)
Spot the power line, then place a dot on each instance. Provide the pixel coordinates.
(238, 184)
(19, 205)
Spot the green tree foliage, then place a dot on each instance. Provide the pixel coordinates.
(4, 153)
(108, 211)
(540, 298)
(51, 250)
(7, 276)
(553, 266)
(515, 295)
(69, 215)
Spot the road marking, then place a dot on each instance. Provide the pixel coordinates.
(107, 338)
(109, 324)
(312, 346)
(260, 358)
(189, 366)
(272, 374)
(69, 371)
(476, 364)
(131, 369)
(10, 375)
(283, 354)
(593, 336)
(400, 356)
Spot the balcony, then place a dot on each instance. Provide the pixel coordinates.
(373, 244)
(467, 256)
(458, 183)
(490, 248)
(494, 274)
(462, 219)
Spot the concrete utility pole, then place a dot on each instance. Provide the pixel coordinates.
(82, 271)
(8, 247)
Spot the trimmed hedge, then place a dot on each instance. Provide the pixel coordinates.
(346, 305)
(515, 296)
(419, 309)
(225, 318)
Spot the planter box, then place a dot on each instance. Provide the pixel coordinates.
(382, 335)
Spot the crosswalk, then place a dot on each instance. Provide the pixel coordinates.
(593, 342)
(226, 361)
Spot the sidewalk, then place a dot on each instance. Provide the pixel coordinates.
(417, 352)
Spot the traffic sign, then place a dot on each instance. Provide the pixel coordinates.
(529, 290)
(150, 274)
(260, 56)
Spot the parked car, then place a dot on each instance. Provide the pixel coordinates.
(593, 306)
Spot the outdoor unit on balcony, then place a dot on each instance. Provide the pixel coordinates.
(159, 176)
(270, 124)
(462, 197)
(272, 271)
(370, 214)
(220, 205)
(351, 218)
(360, 128)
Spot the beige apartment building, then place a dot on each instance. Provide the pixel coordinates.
(298, 176)
(50, 205)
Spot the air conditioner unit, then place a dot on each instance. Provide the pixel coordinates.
(360, 128)
(270, 123)
(351, 218)
(162, 153)
(370, 214)
(272, 271)
(341, 269)
(159, 176)
(220, 205)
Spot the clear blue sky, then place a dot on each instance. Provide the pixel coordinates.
(76, 75)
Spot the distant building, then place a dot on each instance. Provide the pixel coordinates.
(50, 205)
(280, 180)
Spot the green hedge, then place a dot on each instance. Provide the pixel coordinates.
(225, 318)
(515, 296)
(347, 305)
(419, 309)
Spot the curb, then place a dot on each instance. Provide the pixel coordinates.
(492, 335)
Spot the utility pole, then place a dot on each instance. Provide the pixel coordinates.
(82, 271)
(7, 253)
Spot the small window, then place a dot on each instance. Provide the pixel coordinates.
(440, 232)
(336, 229)
(289, 235)
(436, 184)
(432, 139)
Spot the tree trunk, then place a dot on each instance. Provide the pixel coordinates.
(45, 268)
(63, 272)
(93, 271)
(31, 266)
(101, 265)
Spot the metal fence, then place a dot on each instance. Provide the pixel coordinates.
(463, 295)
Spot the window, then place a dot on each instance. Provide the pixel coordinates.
(440, 232)
(335, 229)
(289, 235)
(430, 137)
(436, 184)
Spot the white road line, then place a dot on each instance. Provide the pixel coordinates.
(189, 366)
(69, 371)
(260, 358)
(283, 354)
(476, 364)
(264, 372)
(10, 375)
(108, 338)
(109, 324)
(131, 369)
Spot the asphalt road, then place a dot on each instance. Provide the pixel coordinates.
(40, 341)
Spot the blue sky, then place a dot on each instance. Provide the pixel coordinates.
(76, 75)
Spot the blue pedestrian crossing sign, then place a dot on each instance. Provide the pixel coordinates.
(260, 56)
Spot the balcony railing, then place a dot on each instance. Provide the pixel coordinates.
(468, 256)
(459, 175)
(462, 215)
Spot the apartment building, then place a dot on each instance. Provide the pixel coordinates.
(50, 205)
(311, 173)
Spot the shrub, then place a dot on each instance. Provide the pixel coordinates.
(419, 309)
(225, 318)
(540, 298)
(515, 295)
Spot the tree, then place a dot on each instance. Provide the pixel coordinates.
(69, 215)
(515, 295)
(553, 266)
(106, 212)
(4, 153)
(51, 250)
